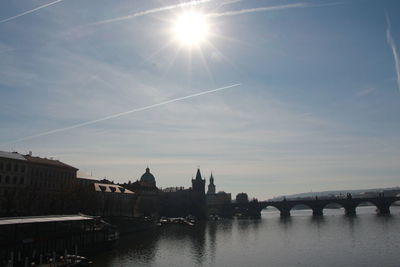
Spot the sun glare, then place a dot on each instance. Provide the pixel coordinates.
(191, 29)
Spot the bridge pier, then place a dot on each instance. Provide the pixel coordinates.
(317, 211)
(284, 212)
(383, 209)
(350, 210)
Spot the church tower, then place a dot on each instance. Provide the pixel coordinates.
(211, 186)
(198, 184)
(198, 197)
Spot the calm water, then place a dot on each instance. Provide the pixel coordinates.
(332, 240)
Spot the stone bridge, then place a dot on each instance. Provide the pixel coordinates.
(349, 204)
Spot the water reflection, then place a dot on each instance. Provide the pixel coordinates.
(248, 224)
(140, 247)
(350, 222)
(212, 238)
(198, 239)
(301, 240)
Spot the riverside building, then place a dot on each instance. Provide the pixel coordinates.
(29, 184)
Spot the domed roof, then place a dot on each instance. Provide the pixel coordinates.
(147, 177)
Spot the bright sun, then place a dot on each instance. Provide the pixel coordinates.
(191, 28)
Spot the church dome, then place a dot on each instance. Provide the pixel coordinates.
(148, 178)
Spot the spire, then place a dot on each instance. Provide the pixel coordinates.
(211, 186)
(198, 175)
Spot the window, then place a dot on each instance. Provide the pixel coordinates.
(8, 167)
(7, 179)
(1, 178)
(16, 167)
(1, 165)
(14, 180)
(103, 188)
(21, 180)
(23, 168)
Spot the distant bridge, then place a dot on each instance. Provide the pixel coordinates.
(253, 208)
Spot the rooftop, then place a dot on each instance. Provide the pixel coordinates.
(11, 155)
(38, 160)
(111, 188)
(83, 175)
(44, 219)
(47, 161)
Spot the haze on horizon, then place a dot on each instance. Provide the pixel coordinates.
(317, 107)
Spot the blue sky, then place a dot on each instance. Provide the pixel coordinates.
(317, 107)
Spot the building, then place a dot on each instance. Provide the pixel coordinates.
(175, 202)
(32, 185)
(211, 186)
(148, 179)
(180, 202)
(198, 196)
(113, 201)
(242, 198)
(146, 193)
(217, 203)
(18, 171)
(84, 179)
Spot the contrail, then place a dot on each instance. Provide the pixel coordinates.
(30, 11)
(197, 2)
(151, 11)
(121, 114)
(257, 9)
(392, 45)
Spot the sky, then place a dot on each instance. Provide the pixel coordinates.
(280, 97)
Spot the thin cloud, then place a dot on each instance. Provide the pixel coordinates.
(393, 47)
(257, 9)
(151, 11)
(30, 11)
(122, 114)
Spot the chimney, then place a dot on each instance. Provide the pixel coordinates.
(30, 153)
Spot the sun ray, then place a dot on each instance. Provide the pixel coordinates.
(204, 61)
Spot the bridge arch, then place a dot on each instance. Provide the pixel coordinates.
(382, 205)
(332, 202)
(270, 209)
(271, 206)
(365, 203)
(282, 207)
(300, 207)
(347, 205)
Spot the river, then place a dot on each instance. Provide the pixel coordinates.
(301, 240)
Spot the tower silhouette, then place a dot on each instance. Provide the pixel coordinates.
(211, 186)
(199, 196)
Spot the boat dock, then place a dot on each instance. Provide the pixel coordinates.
(41, 239)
